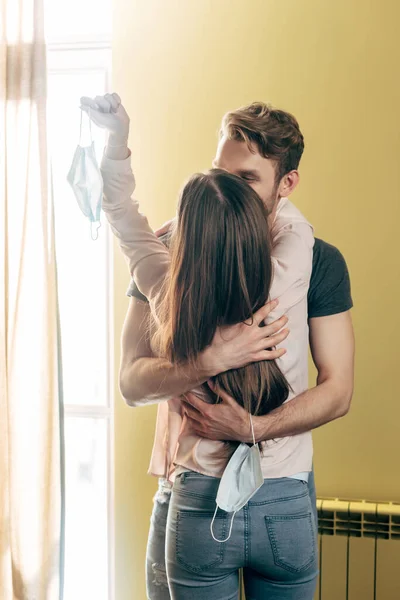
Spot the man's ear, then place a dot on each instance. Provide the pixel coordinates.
(288, 184)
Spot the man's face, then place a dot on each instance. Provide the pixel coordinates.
(259, 172)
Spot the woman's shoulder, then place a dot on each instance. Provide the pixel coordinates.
(289, 219)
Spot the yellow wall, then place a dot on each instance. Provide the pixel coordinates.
(179, 65)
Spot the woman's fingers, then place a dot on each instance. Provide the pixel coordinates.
(103, 104)
(114, 101)
(100, 103)
(88, 103)
(107, 103)
(108, 113)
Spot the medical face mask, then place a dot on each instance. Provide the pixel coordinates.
(86, 181)
(241, 479)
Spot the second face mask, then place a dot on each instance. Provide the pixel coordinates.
(86, 182)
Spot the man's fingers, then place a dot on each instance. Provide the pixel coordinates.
(273, 340)
(192, 413)
(264, 311)
(221, 393)
(274, 327)
(269, 354)
(194, 401)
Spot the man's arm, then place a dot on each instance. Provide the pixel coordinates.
(145, 379)
(332, 347)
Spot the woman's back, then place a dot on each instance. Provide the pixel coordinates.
(220, 274)
(150, 262)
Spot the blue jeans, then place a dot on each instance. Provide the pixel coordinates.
(156, 576)
(273, 538)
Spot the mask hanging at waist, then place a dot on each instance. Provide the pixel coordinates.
(241, 479)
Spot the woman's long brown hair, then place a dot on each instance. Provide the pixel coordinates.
(220, 274)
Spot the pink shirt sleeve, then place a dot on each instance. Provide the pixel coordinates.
(147, 257)
(292, 252)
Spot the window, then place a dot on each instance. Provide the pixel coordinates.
(79, 57)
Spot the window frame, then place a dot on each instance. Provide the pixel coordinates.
(58, 53)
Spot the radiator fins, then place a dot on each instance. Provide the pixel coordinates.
(359, 518)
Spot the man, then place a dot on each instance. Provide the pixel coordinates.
(329, 319)
(264, 147)
(329, 303)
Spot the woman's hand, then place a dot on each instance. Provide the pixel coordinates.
(236, 346)
(108, 113)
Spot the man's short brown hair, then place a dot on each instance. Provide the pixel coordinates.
(275, 133)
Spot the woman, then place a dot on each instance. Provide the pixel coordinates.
(220, 273)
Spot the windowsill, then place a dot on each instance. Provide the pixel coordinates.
(71, 42)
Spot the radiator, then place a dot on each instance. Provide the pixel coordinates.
(359, 518)
(359, 553)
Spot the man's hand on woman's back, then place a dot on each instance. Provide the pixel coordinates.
(235, 346)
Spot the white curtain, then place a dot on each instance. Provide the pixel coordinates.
(31, 472)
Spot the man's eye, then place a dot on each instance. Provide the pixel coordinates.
(247, 178)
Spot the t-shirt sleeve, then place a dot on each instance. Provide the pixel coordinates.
(133, 290)
(330, 289)
(147, 256)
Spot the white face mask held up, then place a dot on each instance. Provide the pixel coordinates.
(241, 479)
(86, 181)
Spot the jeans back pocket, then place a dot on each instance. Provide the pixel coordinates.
(293, 541)
(196, 549)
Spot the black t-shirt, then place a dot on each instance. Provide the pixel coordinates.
(329, 292)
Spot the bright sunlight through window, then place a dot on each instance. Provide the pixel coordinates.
(79, 56)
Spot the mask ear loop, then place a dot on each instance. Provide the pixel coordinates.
(234, 512)
(252, 430)
(230, 528)
(80, 130)
(94, 230)
(90, 128)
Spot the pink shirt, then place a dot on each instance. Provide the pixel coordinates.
(149, 261)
